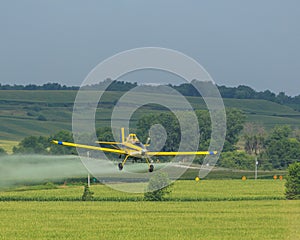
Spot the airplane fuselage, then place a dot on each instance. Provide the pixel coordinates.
(137, 149)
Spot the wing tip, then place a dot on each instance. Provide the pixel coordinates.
(57, 142)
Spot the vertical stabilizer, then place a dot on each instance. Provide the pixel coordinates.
(122, 137)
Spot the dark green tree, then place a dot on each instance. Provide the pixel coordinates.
(235, 120)
(33, 145)
(293, 181)
(104, 134)
(41, 118)
(236, 160)
(170, 124)
(281, 150)
(204, 128)
(65, 136)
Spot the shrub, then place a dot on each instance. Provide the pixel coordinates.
(42, 118)
(87, 194)
(49, 185)
(158, 187)
(293, 181)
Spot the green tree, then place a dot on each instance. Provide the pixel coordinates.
(41, 118)
(204, 128)
(33, 145)
(235, 120)
(65, 136)
(293, 181)
(104, 134)
(170, 124)
(281, 150)
(236, 160)
(158, 187)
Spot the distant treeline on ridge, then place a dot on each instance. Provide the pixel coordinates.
(187, 89)
(46, 86)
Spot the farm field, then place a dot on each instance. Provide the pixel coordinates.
(183, 190)
(26, 113)
(150, 220)
(194, 210)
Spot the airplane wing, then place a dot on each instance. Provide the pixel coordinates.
(68, 144)
(181, 153)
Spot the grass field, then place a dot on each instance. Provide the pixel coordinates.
(195, 210)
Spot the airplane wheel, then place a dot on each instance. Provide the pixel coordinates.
(151, 168)
(120, 165)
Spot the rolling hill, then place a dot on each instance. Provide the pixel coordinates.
(41, 112)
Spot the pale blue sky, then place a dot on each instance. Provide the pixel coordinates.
(255, 43)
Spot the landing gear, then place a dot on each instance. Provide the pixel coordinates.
(120, 165)
(151, 168)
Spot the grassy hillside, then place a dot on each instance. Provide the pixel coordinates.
(25, 113)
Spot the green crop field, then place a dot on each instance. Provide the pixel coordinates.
(274, 220)
(184, 190)
(195, 210)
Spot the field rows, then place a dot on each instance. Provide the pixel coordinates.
(268, 220)
(194, 210)
(209, 190)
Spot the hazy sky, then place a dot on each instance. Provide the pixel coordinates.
(255, 42)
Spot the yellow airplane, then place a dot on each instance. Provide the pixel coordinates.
(131, 147)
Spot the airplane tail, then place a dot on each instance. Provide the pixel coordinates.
(122, 135)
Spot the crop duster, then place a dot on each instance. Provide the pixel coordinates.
(131, 147)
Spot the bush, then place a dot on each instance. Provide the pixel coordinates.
(87, 194)
(42, 118)
(237, 160)
(293, 181)
(158, 187)
(49, 185)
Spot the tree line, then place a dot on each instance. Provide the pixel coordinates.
(46, 86)
(244, 92)
(244, 142)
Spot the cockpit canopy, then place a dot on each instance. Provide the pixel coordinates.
(132, 138)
